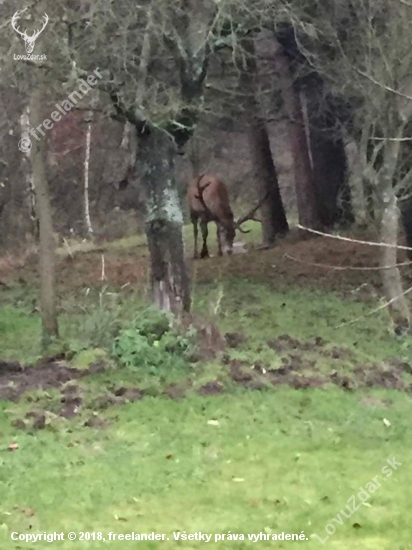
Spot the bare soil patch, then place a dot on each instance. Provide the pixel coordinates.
(300, 372)
(176, 391)
(211, 388)
(274, 265)
(16, 379)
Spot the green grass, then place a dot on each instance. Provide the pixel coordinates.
(271, 461)
(284, 461)
(264, 312)
(20, 334)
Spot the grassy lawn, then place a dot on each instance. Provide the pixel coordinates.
(276, 461)
(247, 460)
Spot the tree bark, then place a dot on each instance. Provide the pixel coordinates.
(44, 214)
(356, 183)
(31, 194)
(194, 155)
(307, 201)
(86, 200)
(273, 215)
(274, 220)
(391, 278)
(326, 152)
(164, 221)
(329, 172)
(389, 216)
(406, 211)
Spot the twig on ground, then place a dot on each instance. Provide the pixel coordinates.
(357, 241)
(386, 304)
(345, 267)
(103, 275)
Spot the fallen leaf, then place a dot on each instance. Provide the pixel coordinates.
(13, 446)
(386, 422)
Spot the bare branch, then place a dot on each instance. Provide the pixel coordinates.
(385, 305)
(390, 139)
(346, 267)
(383, 86)
(357, 241)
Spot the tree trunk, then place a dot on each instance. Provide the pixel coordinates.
(194, 155)
(44, 214)
(356, 183)
(127, 135)
(274, 220)
(329, 172)
(406, 210)
(391, 278)
(86, 201)
(26, 149)
(305, 186)
(164, 221)
(326, 152)
(389, 216)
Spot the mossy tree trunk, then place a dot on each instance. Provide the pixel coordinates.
(164, 221)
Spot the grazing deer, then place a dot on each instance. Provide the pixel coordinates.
(209, 201)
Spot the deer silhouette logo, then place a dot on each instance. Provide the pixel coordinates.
(29, 41)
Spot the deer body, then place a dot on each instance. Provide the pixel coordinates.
(209, 202)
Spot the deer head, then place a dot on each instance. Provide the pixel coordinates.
(29, 41)
(221, 212)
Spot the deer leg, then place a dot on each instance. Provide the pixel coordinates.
(219, 240)
(203, 226)
(195, 233)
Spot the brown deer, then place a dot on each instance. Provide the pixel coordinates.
(209, 202)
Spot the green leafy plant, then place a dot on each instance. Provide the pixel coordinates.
(153, 342)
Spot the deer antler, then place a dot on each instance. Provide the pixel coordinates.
(249, 215)
(14, 20)
(46, 20)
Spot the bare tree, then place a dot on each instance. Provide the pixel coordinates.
(155, 85)
(44, 213)
(369, 61)
(86, 200)
(26, 148)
